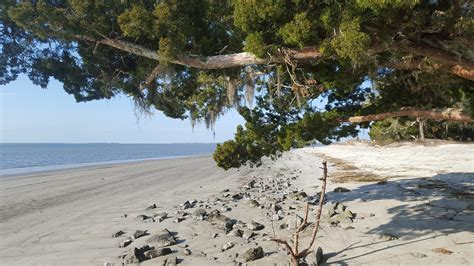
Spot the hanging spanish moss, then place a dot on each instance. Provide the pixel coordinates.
(249, 88)
(231, 91)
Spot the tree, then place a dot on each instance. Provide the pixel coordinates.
(198, 59)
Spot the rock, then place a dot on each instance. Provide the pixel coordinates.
(149, 220)
(255, 226)
(215, 217)
(275, 217)
(227, 246)
(142, 217)
(349, 227)
(371, 214)
(178, 220)
(340, 208)
(214, 235)
(319, 256)
(186, 205)
(247, 234)
(160, 216)
(283, 226)
(157, 253)
(134, 256)
(151, 207)
(382, 182)
(162, 239)
(187, 252)
(139, 233)
(199, 214)
(237, 196)
(443, 251)
(124, 215)
(341, 190)
(226, 209)
(298, 195)
(235, 232)
(225, 190)
(253, 254)
(171, 261)
(294, 222)
(418, 255)
(253, 203)
(388, 237)
(125, 243)
(344, 217)
(117, 234)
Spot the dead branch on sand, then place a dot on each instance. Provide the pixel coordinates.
(295, 254)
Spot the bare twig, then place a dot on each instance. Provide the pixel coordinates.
(295, 254)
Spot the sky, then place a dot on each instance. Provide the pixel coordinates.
(30, 114)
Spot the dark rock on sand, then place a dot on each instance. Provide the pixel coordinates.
(125, 243)
(300, 195)
(319, 256)
(151, 207)
(162, 239)
(150, 254)
(140, 233)
(117, 234)
(388, 237)
(341, 189)
(199, 214)
(253, 254)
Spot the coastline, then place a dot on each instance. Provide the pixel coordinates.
(69, 216)
(26, 171)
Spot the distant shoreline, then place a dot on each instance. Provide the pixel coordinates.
(46, 169)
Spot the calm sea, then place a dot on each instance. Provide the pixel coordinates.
(27, 158)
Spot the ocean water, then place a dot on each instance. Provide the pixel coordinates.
(28, 158)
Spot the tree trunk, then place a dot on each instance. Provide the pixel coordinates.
(421, 128)
(449, 114)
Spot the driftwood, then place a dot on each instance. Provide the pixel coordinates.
(295, 254)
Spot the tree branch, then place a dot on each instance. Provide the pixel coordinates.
(461, 67)
(450, 114)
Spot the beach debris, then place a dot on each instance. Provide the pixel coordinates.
(255, 226)
(253, 203)
(199, 214)
(124, 215)
(162, 239)
(249, 185)
(151, 207)
(371, 214)
(118, 233)
(253, 254)
(299, 195)
(341, 190)
(140, 233)
(214, 235)
(227, 246)
(294, 222)
(225, 190)
(442, 251)
(349, 227)
(388, 237)
(142, 217)
(338, 213)
(237, 196)
(160, 216)
(318, 256)
(153, 253)
(418, 255)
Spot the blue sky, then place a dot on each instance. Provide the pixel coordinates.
(34, 115)
(30, 114)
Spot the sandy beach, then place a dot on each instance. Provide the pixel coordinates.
(413, 205)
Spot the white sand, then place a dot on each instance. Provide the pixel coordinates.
(68, 216)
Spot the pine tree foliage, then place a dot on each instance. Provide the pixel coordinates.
(273, 60)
